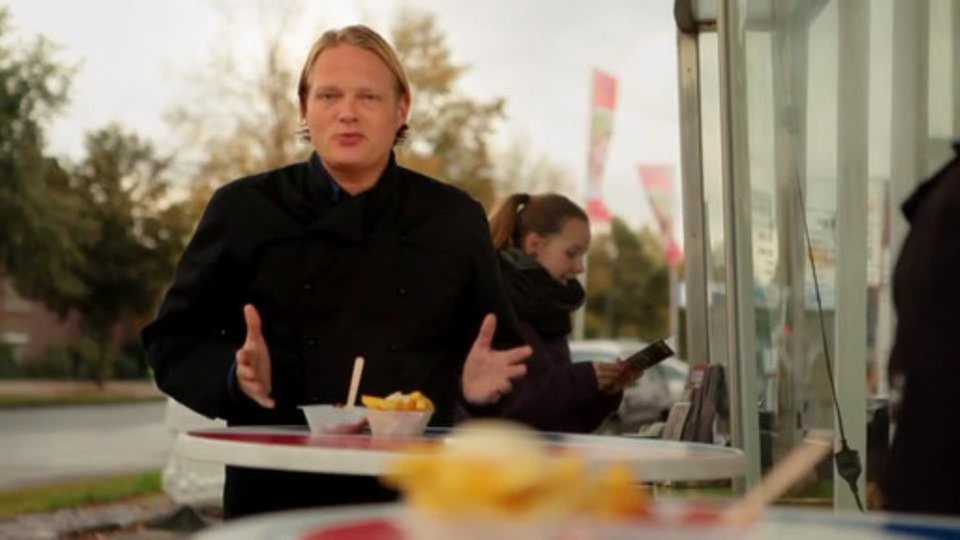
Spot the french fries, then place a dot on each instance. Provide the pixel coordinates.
(414, 401)
(499, 471)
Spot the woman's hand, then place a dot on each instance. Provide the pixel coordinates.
(613, 377)
(628, 374)
(608, 373)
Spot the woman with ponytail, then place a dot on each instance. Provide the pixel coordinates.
(542, 241)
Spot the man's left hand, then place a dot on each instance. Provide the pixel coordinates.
(487, 373)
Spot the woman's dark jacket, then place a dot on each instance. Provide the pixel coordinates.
(401, 275)
(924, 470)
(556, 394)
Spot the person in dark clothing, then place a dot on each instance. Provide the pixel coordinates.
(542, 241)
(295, 272)
(923, 472)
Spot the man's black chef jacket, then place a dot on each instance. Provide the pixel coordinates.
(401, 274)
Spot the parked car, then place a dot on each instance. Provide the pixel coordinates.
(646, 401)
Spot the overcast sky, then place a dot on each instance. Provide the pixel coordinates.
(136, 58)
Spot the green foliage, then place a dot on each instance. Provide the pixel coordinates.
(448, 131)
(100, 238)
(83, 359)
(74, 361)
(90, 359)
(627, 285)
(59, 363)
(10, 368)
(36, 205)
(131, 362)
(129, 256)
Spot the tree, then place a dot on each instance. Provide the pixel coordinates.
(449, 132)
(37, 208)
(627, 285)
(136, 234)
(516, 171)
(242, 121)
(99, 238)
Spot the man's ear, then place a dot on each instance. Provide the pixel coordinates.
(404, 109)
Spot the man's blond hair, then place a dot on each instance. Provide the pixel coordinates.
(363, 37)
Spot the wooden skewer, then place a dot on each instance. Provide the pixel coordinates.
(355, 382)
(798, 462)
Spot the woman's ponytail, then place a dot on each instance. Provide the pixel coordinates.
(505, 220)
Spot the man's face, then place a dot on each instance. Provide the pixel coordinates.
(353, 109)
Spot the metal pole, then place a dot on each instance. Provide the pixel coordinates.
(694, 210)
(955, 32)
(742, 365)
(850, 337)
(909, 114)
(789, 57)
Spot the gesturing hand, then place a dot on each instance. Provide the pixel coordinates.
(487, 373)
(253, 362)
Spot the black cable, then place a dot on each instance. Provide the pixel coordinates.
(847, 459)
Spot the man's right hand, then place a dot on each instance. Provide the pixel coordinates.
(253, 362)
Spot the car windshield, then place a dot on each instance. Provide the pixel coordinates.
(673, 372)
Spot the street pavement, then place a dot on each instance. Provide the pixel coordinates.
(49, 444)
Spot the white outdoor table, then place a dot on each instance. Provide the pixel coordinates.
(385, 522)
(295, 449)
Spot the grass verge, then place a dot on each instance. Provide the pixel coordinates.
(106, 397)
(52, 497)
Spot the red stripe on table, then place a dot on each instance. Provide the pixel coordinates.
(363, 442)
(375, 529)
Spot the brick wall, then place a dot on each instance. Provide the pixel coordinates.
(30, 327)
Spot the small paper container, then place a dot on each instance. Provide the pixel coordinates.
(398, 423)
(325, 419)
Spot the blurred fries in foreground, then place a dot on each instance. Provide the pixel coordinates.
(497, 470)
